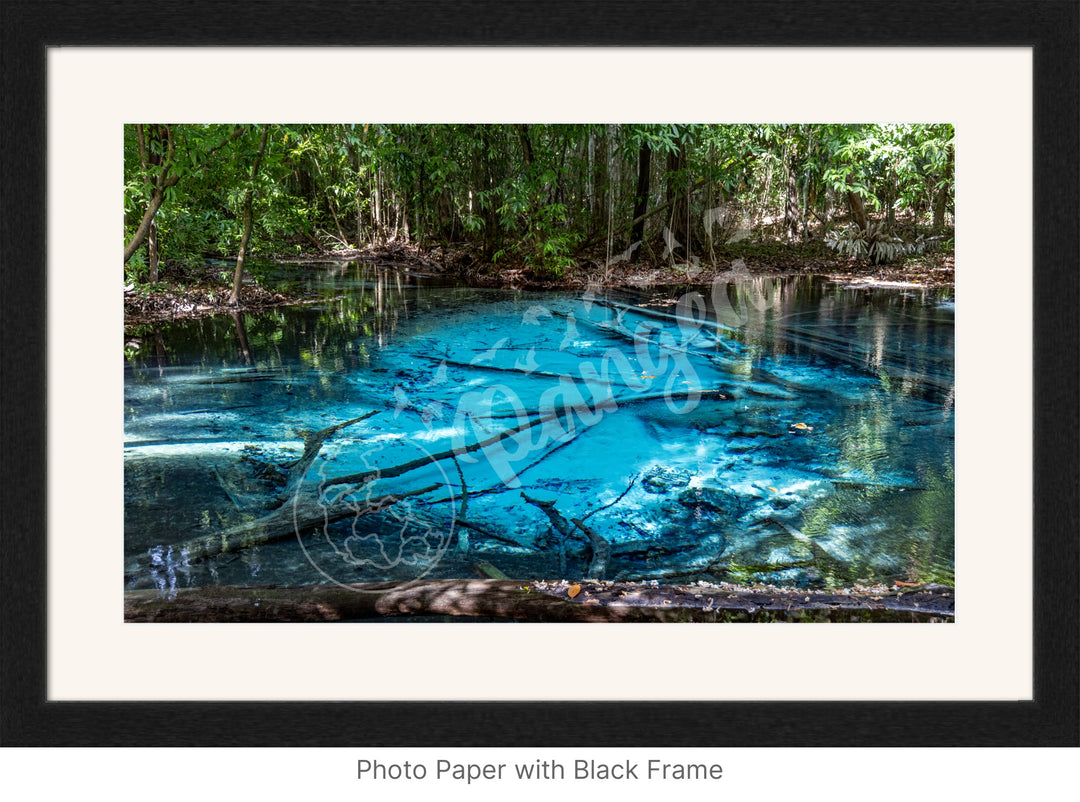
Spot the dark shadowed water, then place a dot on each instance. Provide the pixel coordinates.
(788, 431)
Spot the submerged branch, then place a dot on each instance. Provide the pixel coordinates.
(601, 551)
(620, 497)
(364, 477)
(502, 487)
(520, 371)
(558, 522)
(226, 489)
(462, 537)
(486, 532)
(313, 443)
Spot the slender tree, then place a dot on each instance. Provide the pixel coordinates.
(641, 196)
(249, 195)
(158, 167)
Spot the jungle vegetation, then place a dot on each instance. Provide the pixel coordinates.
(531, 196)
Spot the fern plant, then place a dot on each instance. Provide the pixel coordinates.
(874, 244)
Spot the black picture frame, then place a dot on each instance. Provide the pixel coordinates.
(1051, 28)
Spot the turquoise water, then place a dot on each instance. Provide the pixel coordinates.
(784, 431)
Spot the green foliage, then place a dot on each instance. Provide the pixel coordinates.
(554, 254)
(136, 270)
(523, 194)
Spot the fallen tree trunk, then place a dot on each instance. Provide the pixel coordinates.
(528, 601)
(286, 521)
(521, 371)
(363, 477)
(306, 513)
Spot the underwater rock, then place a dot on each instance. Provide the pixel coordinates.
(715, 499)
(643, 550)
(774, 552)
(758, 514)
(662, 480)
(742, 447)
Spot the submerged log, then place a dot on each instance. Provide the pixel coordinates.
(486, 569)
(284, 522)
(486, 532)
(306, 512)
(530, 601)
(363, 477)
(313, 443)
(601, 550)
(558, 522)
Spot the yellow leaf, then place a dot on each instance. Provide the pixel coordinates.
(573, 591)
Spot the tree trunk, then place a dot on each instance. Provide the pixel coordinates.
(858, 210)
(641, 197)
(152, 251)
(890, 205)
(163, 182)
(677, 189)
(524, 600)
(354, 154)
(302, 513)
(492, 233)
(593, 183)
(662, 207)
(238, 274)
(143, 231)
(526, 144)
(791, 207)
(377, 233)
(148, 158)
(420, 207)
(941, 199)
(337, 223)
(249, 196)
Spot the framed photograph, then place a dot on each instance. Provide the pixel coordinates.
(824, 254)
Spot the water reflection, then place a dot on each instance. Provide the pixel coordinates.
(789, 431)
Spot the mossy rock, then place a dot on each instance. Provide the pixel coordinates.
(664, 480)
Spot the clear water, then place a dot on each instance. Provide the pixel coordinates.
(785, 431)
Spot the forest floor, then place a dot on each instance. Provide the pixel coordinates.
(190, 292)
(755, 259)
